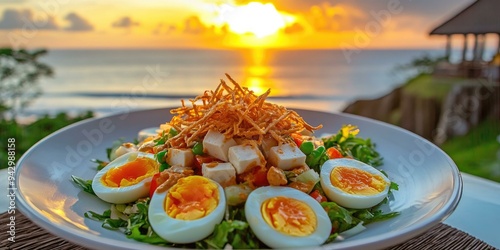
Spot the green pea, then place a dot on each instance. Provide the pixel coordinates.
(197, 148)
(313, 158)
(164, 166)
(160, 156)
(160, 141)
(172, 132)
(320, 150)
(307, 147)
(310, 160)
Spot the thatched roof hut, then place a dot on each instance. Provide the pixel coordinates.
(478, 19)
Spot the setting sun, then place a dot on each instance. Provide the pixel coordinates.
(254, 18)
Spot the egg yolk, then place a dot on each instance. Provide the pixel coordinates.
(130, 173)
(357, 181)
(289, 216)
(191, 198)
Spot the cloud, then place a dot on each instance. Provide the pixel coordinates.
(193, 25)
(125, 22)
(338, 17)
(294, 28)
(21, 19)
(162, 28)
(431, 9)
(426, 14)
(77, 23)
(288, 5)
(51, 24)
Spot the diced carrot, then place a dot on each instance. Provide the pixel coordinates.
(154, 184)
(317, 196)
(297, 138)
(333, 153)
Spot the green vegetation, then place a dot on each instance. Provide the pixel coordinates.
(428, 86)
(27, 135)
(421, 65)
(478, 152)
(20, 72)
(422, 83)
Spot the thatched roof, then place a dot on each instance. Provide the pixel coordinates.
(481, 17)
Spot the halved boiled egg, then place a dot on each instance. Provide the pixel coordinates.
(284, 217)
(353, 184)
(188, 211)
(126, 179)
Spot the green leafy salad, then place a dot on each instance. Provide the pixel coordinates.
(233, 170)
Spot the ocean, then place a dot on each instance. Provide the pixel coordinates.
(110, 81)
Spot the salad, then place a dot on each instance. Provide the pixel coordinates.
(233, 170)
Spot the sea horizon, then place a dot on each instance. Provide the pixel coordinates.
(105, 81)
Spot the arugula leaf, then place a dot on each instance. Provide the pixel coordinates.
(86, 185)
(137, 227)
(350, 145)
(393, 186)
(331, 238)
(113, 224)
(153, 238)
(340, 217)
(107, 222)
(345, 218)
(100, 164)
(381, 217)
(235, 232)
(99, 217)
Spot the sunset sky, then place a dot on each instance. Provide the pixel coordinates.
(363, 24)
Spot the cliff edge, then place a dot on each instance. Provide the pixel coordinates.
(435, 108)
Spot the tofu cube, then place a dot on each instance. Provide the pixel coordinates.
(221, 172)
(123, 149)
(181, 157)
(246, 156)
(217, 145)
(286, 156)
(267, 144)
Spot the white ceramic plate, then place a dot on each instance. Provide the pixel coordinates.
(430, 185)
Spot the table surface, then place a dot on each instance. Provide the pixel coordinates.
(476, 214)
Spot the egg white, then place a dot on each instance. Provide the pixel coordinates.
(121, 195)
(276, 239)
(351, 200)
(184, 231)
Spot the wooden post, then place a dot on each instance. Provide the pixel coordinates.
(482, 40)
(464, 51)
(498, 54)
(448, 47)
(498, 50)
(475, 50)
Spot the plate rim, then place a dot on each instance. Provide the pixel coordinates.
(95, 241)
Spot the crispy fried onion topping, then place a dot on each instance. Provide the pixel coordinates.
(235, 112)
